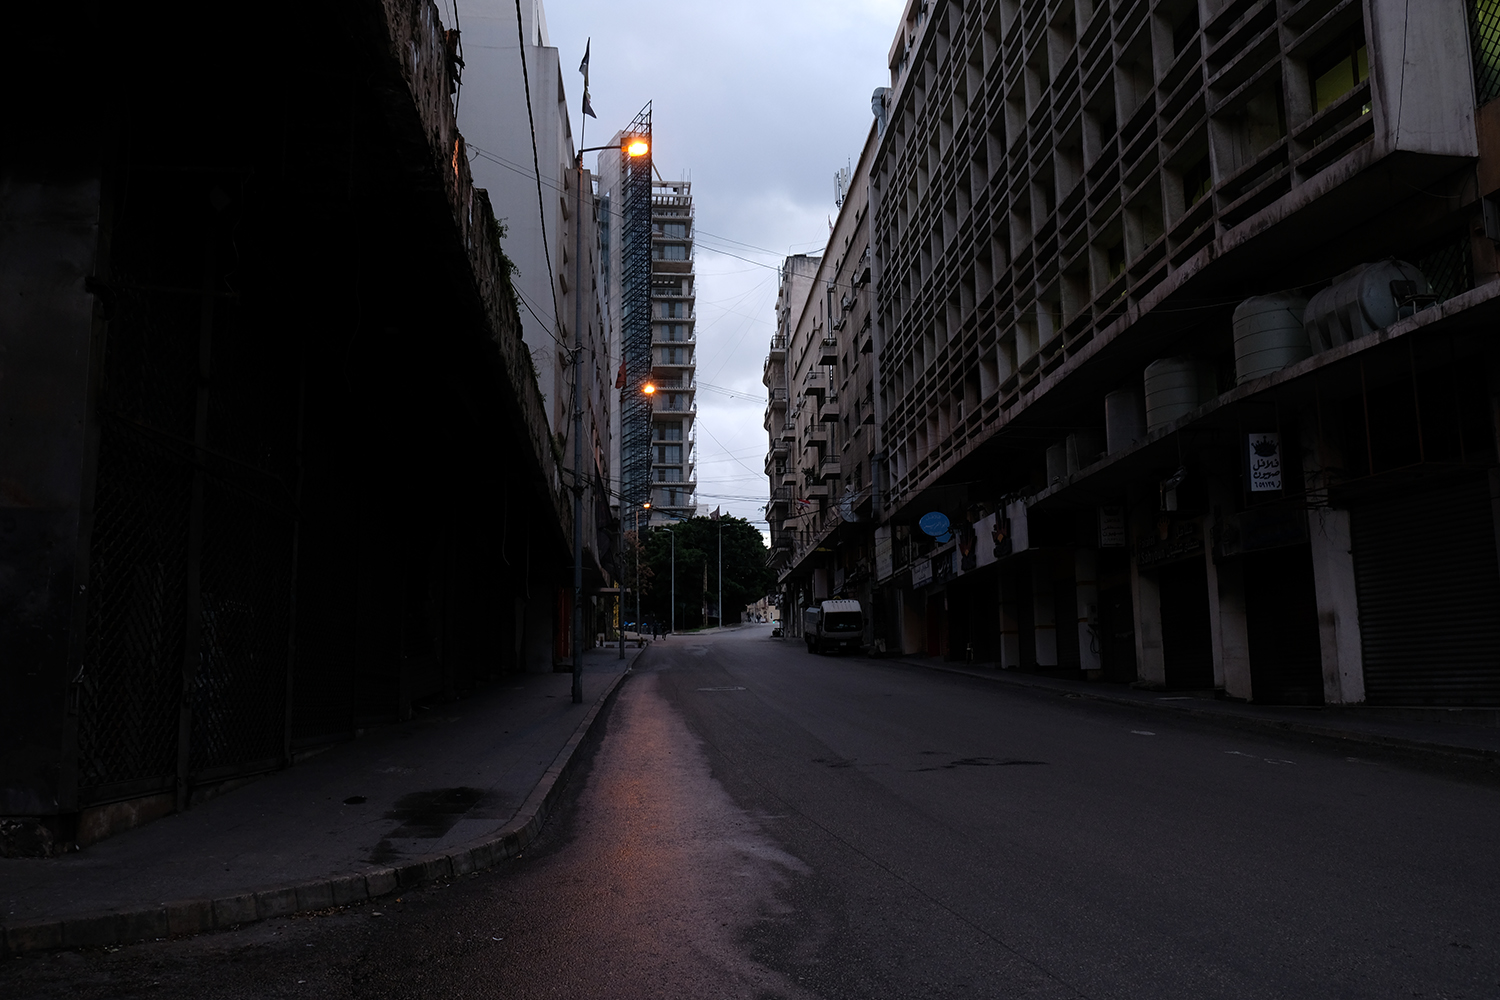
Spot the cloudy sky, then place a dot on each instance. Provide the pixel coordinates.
(758, 103)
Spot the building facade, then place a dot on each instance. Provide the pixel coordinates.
(823, 417)
(256, 493)
(549, 212)
(1182, 329)
(796, 280)
(674, 353)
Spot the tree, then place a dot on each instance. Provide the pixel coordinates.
(746, 578)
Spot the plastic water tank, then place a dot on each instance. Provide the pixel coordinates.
(1269, 335)
(1363, 300)
(1057, 463)
(1124, 421)
(1171, 390)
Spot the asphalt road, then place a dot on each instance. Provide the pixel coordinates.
(754, 821)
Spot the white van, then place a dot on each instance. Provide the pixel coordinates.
(834, 625)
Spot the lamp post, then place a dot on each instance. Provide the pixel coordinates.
(629, 146)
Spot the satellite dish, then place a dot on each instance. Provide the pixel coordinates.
(935, 524)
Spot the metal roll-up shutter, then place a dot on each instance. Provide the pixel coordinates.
(1429, 596)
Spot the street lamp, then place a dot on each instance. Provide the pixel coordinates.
(629, 146)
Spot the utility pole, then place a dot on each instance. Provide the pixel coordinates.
(721, 574)
(578, 441)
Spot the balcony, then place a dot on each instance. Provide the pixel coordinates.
(778, 398)
(830, 467)
(815, 383)
(830, 411)
(828, 349)
(778, 348)
(779, 448)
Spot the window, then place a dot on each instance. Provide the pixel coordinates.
(1114, 259)
(669, 454)
(1338, 69)
(677, 229)
(670, 431)
(674, 356)
(1197, 181)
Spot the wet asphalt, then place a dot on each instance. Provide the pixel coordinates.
(754, 821)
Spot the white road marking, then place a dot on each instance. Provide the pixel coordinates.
(1143, 732)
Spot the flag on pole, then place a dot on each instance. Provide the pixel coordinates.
(620, 378)
(715, 514)
(583, 67)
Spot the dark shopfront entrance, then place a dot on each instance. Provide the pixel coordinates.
(1187, 647)
(1281, 619)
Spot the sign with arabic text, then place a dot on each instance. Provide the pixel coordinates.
(1265, 462)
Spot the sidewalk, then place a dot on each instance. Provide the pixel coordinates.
(457, 788)
(1473, 733)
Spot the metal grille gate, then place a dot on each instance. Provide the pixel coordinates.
(191, 555)
(1429, 596)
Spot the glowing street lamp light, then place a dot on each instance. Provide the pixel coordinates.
(636, 146)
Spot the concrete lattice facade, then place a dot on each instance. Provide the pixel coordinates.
(1070, 202)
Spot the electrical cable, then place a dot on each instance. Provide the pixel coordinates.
(541, 204)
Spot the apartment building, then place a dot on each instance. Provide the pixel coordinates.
(674, 353)
(1182, 322)
(822, 530)
(549, 212)
(795, 280)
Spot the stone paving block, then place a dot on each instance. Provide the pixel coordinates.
(190, 916)
(381, 881)
(348, 889)
(40, 935)
(143, 925)
(461, 862)
(423, 870)
(316, 895)
(93, 931)
(275, 902)
(233, 910)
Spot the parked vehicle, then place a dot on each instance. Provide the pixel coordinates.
(834, 625)
(776, 628)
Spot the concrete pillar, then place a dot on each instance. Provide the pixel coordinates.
(1086, 579)
(1150, 663)
(1340, 646)
(1228, 627)
(1338, 607)
(913, 623)
(1008, 656)
(1043, 615)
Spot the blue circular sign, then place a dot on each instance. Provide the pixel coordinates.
(934, 523)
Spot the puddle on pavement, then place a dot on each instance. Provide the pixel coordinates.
(983, 762)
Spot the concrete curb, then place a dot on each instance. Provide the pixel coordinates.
(1234, 720)
(195, 916)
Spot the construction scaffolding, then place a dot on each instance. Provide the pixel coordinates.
(635, 314)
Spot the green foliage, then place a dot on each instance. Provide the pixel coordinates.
(746, 578)
(508, 267)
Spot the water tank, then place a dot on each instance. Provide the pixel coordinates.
(1362, 300)
(1269, 335)
(1057, 463)
(1171, 390)
(1083, 449)
(1124, 421)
